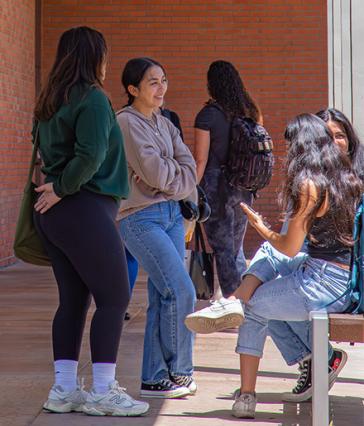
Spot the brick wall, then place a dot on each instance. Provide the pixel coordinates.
(279, 46)
(16, 103)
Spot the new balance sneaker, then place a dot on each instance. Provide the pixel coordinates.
(186, 381)
(61, 401)
(244, 405)
(221, 314)
(116, 402)
(165, 388)
(303, 389)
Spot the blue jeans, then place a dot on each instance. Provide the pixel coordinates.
(133, 268)
(293, 338)
(155, 237)
(291, 289)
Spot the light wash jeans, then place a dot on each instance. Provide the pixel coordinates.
(155, 237)
(293, 338)
(291, 289)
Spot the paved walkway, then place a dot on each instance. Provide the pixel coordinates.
(28, 299)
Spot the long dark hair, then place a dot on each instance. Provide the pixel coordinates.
(314, 156)
(227, 89)
(356, 147)
(79, 56)
(134, 72)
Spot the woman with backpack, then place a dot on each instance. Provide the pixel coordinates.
(225, 229)
(320, 195)
(293, 339)
(161, 172)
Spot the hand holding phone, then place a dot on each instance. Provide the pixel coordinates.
(255, 219)
(246, 206)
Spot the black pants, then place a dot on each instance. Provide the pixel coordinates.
(88, 259)
(226, 227)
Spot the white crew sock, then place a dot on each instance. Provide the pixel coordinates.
(65, 374)
(103, 375)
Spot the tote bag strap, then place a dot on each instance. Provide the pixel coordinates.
(33, 159)
(199, 239)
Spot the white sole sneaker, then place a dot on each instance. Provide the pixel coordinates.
(62, 407)
(116, 402)
(94, 410)
(178, 393)
(220, 315)
(186, 381)
(61, 401)
(204, 325)
(192, 388)
(244, 406)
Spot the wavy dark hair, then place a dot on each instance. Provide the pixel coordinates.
(226, 88)
(79, 56)
(314, 156)
(356, 147)
(134, 72)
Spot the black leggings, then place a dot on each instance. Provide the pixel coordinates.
(88, 259)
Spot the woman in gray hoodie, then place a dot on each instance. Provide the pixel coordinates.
(162, 171)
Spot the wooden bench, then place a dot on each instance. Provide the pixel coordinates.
(346, 328)
(339, 328)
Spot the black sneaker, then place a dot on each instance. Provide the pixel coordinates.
(186, 381)
(165, 388)
(303, 390)
(336, 364)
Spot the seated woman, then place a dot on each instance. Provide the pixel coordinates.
(293, 339)
(320, 195)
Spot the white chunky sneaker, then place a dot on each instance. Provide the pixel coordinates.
(116, 402)
(221, 314)
(244, 405)
(186, 381)
(60, 401)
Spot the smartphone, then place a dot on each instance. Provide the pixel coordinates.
(253, 211)
(250, 208)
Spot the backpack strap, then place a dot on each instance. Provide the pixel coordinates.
(356, 277)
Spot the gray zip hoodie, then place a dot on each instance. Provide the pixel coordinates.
(157, 155)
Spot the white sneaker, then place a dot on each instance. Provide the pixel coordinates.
(116, 402)
(244, 405)
(221, 314)
(60, 401)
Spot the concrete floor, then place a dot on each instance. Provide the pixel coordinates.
(28, 298)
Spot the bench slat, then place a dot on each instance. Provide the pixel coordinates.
(346, 328)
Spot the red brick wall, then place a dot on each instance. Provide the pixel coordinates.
(16, 102)
(279, 46)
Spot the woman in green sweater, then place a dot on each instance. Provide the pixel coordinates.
(86, 176)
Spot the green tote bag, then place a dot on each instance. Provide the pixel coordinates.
(27, 243)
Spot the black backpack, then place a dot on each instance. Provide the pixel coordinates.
(250, 158)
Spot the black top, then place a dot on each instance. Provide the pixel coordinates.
(213, 118)
(322, 243)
